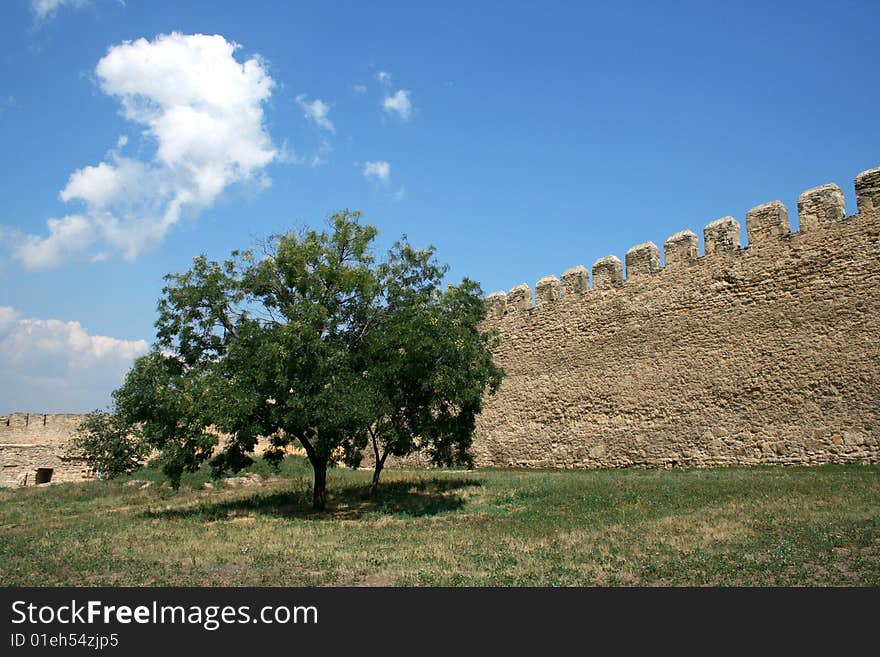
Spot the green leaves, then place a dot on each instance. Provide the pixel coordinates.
(312, 341)
(108, 445)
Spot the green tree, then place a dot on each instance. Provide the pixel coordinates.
(108, 445)
(427, 363)
(311, 341)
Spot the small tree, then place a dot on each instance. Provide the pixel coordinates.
(308, 343)
(106, 442)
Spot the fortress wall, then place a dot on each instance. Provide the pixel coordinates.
(765, 353)
(38, 440)
(38, 428)
(768, 353)
(29, 441)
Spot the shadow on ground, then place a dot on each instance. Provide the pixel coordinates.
(424, 497)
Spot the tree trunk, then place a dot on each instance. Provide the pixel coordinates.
(379, 462)
(319, 491)
(319, 467)
(374, 487)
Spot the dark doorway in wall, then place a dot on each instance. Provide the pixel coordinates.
(44, 475)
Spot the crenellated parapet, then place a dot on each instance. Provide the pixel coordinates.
(642, 259)
(607, 273)
(496, 305)
(547, 290)
(721, 237)
(519, 298)
(681, 249)
(868, 190)
(575, 281)
(817, 207)
(763, 351)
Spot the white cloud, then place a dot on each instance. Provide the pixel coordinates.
(8, 317)
(45, 9)
(399, 195)
(53, 365)
(380, 171)
(202, 108)
(68, 235)
(359, 89)
(399, 102)
(316, 111)
(320, 157)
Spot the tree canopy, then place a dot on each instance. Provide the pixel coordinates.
(314, 341)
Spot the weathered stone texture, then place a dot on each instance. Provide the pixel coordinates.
(766, 221)
(607, 272)
(681, 249)
(642, 259)
(36, 440)
(575, 281)
(496, 304)
(769, 355)
(868, 190)
(519, 298)
(721, 236)
(547, 290)
(820, 205)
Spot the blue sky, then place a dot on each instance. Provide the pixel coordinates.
(520, 138)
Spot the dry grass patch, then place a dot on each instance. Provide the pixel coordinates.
(763, 526)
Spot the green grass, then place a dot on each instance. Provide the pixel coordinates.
(759, 526)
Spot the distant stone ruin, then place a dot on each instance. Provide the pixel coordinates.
(33, 449)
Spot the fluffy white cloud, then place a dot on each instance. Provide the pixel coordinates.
(380, 171)
(68, 235)
(316, 111)
(399, 102)
(384, 77)
(202, 108)
(47, 8)
(53, 365)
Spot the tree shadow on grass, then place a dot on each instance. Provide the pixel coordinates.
(423, 497)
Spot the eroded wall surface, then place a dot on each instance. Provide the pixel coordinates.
(768, 353)
(29, 441)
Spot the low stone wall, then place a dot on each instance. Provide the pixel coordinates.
(30, 441)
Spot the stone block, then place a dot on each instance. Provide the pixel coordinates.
(721, 236)
(766, 221)
(547, 290)
(681, 249)
(642, 259)
(820, 205)
(868, 190)
(575, 281)
(607, 272)
(519, 298)
(496, 305)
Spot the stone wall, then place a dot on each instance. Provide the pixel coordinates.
(29, 441)
(766, 353)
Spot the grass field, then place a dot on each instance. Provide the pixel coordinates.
(759, 526)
